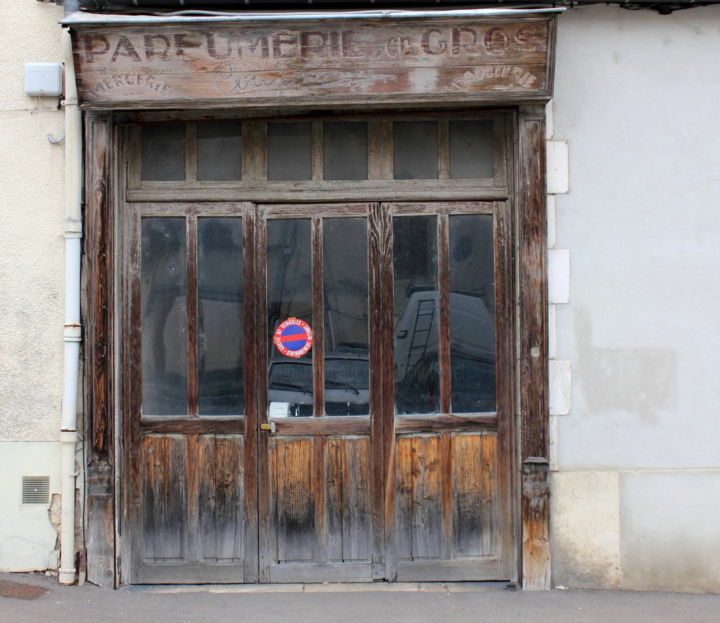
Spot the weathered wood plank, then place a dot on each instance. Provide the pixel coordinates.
(348, 501)
(475, 501)
(533, 347)
(369, 60)
(427, 530)
(356, 500)
(165, 499)
(221, 522)
(403, 499)
(97, 311)
(293, 502)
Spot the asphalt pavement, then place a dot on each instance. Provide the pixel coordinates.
(35, 598)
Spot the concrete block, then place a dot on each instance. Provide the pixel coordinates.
(552, 331)
(585, 529)
(670, 533)
(558, 167)
(559, 276)
(551, 228)
(553, 443)
(560, 387)
(549, 120)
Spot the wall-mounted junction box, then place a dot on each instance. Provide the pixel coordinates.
(43, 79)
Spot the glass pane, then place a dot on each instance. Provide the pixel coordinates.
(472, 313)
(415, 146)
(345, 150)
(471, 154)
(345, 283)
(220, 308)
(163, 317)
(289, 147)
(219, 151)
(417, 386)
(163, 152)
(289, 287)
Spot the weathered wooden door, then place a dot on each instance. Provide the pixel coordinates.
(370, 440)
(387, 447)
(190, 394)
(447, 391)
(320, 456)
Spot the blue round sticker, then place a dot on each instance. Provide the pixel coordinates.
(293, 337)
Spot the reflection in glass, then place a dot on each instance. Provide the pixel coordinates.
(220, 307)
(415, 147)
(345, 282)
(289, 150)
(163, 316)
(289, 294)
(417, 387)
(219, 151)
(472, 313)
(471, 154)
(345, 150)
(162, 154)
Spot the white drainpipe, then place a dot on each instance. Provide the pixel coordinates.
(72, 332)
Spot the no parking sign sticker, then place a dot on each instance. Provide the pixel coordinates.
(293, 337)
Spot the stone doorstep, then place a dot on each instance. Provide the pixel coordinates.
(328, 587)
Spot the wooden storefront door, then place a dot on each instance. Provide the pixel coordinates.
(380, 452)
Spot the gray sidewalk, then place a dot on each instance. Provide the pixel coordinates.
(36, 598)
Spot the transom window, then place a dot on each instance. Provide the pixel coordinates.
(463, 148)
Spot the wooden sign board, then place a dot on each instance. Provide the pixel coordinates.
(241, 64)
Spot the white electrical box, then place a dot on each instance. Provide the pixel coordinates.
(43, 79)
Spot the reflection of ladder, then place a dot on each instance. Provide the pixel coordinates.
(421, 330)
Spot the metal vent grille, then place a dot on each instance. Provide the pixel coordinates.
(36, 489)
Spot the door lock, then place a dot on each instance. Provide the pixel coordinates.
(268, 426)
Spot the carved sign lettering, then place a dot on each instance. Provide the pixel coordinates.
(372, 61)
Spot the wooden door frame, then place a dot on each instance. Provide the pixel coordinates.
(104, 179)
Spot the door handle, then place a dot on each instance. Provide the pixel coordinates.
(268, 426)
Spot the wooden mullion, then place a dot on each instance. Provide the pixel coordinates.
(317, 150)
(380, 150)
(377, 415)
(134, 159)
(254, 156)
(192, 317)
(443, 149)
(318, 349)
(132, 395)
(251, 291)
(264, 485)
(191, 152)
(443, 304)
(386, 304)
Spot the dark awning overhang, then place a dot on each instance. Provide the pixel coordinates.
(141, 6)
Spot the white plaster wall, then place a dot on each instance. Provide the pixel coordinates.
(31, 284)
(636, 99)
(31, 235)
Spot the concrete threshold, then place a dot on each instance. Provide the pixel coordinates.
(327, 587)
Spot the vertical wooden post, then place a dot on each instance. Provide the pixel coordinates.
(533, 355)
(97, 272)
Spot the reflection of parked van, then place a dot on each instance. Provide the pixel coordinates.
(472, 330)
(346, 386)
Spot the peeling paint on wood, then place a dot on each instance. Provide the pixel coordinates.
(376, 61)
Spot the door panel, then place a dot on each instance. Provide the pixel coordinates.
(190, 352)
(451, 382)
(320, 477)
